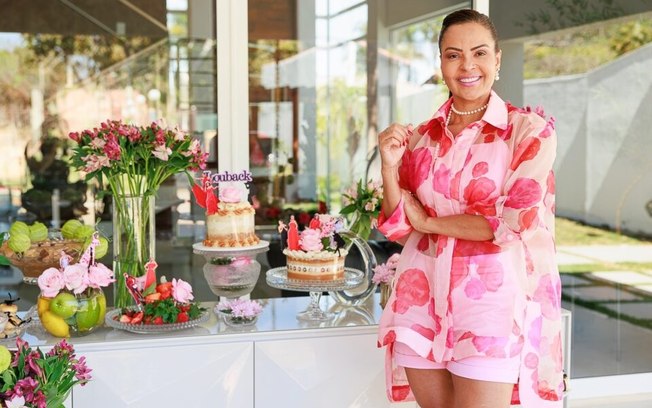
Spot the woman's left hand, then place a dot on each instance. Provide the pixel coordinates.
(415, 212)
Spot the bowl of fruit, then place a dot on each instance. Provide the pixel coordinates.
(34, 248)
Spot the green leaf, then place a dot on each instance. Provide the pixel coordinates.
(348, 209)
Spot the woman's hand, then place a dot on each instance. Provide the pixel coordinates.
(415, 211)
(392, 143)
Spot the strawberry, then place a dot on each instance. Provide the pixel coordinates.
(138, 317)
(165, 289)
(125, 319)
(184, 307)
(182, 317)
(158, 320)
(152, 297)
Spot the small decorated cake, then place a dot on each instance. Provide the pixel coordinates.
(229, 218)
(316, 253)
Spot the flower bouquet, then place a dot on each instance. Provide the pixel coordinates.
(132, 162)
(239, 312)
(159, 306)
(32, 379)
(71, 302)
(362, 202)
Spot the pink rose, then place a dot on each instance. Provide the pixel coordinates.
(75, 278)
(230, 195)
(99, 276)
(311, 240)
(50, 282)
(181, 291)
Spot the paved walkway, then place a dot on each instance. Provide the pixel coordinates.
(611, 254)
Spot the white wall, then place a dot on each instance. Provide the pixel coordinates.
(604, 127)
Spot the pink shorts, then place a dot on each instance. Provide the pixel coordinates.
(504, 370)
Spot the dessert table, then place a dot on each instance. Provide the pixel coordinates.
(279, 362)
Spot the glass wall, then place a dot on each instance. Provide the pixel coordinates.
(594, 79)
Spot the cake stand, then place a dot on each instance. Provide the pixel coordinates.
(231, 272)
(278, 278)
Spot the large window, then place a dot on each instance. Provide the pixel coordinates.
(594, 80)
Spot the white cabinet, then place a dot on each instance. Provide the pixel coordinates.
(338, 371)
(169, 376)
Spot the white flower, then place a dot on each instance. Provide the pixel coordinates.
(16, 402)
(162, 152)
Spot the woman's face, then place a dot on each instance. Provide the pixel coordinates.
(469, 63)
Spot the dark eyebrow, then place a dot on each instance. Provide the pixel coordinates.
(472, 49)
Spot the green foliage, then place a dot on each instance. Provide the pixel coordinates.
(4, 261)
(165, 309)
(631, 36)
(558, 14)
(582, 50)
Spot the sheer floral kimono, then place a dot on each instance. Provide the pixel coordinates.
(454, 298)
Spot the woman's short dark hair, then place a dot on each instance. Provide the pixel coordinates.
(468, 16)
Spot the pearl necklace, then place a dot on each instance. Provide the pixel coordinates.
(463, 113)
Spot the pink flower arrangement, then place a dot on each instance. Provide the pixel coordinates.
(384, 273)
(154, 152)
(243, 310)
(33, 379)
(321, 234)
(76, 277)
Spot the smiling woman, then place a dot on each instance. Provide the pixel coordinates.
(470, 194)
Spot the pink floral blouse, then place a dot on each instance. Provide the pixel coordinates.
(454, 298)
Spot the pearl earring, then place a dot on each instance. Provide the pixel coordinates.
(498, 74)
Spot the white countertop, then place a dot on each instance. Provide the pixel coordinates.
(278, 320)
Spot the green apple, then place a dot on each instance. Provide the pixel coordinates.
(88, 314)
(69, 228)
(101, 249)
(19, 242)
(5, 358)
(19, 227)
(64, 305)
(84, 232)
(38, 232)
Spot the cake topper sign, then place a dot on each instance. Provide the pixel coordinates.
(205, 192)
(216, 178)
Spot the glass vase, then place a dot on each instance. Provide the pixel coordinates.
(72, 315)
(133, 241)
(359, 253)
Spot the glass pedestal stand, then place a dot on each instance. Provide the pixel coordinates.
(231, 272)
(278, 278)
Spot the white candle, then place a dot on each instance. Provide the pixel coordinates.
(56, 217)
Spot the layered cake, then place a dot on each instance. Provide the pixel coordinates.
(229, 216)
(316, 253)
(232, 225)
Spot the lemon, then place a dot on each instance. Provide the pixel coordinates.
(55, 325)
(5, 358)
(88, 314)
(43, 304)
